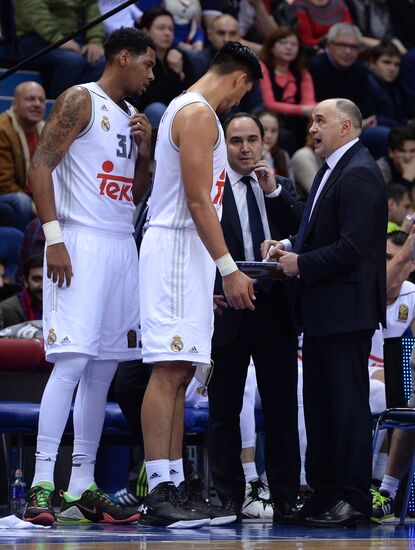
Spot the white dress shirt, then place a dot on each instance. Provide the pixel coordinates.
(239, 193)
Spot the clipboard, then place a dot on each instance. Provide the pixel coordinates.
(262, 270)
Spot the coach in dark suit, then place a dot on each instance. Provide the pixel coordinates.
(339, 263)
(267, 334)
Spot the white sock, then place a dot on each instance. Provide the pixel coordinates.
(158, 471)
(250, 471)
(391, 485)
(176, 471)
(380, 465)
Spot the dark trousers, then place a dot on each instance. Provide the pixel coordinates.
(337, 417)
(273, 347)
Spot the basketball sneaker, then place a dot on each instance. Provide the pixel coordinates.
(163, 507)
(38, 508)
(191, 498)
(383, 506)
(94, 506)
(257, 503)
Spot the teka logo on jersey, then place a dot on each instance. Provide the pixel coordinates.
(117, 188)
(220, 184)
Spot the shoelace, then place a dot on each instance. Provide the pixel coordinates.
(378, 499)
(40, 496)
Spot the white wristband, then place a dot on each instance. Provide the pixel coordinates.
(226, 265)
(53, 233)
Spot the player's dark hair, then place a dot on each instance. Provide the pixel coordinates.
(235, 57)
(244, 115)
(33, 261)
(127, 38)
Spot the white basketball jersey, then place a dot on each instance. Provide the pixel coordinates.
(399, 316)
(168, 207)
(93, 182)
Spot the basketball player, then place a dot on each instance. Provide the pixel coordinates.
(177, 274)
(91, 163)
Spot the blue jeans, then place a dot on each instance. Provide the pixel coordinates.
(60, 69)
(16, 209)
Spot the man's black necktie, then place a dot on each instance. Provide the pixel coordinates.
(299, 240)
(255, 220)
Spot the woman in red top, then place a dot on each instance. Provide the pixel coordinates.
(315, 17)
(287, 87)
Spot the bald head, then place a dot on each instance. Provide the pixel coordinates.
(29, 104)
(335, 123)
(224, 28)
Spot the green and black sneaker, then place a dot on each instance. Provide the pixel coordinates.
(94, 506)
(39, 509)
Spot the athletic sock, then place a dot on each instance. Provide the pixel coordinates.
(250, 471)
(176, 471)
(82, 476)
(158, 471)
(390, 485)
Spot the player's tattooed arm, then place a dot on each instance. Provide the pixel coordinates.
(68, 118)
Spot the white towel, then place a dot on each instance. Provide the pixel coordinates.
(13, 522)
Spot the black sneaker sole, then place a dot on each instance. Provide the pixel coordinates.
(157, 521)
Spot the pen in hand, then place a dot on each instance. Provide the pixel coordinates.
(267, 257)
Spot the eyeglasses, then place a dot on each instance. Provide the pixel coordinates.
(344, 46)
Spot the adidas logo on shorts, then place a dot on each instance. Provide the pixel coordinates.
(65, 340)
(104, 108)
(193, 350)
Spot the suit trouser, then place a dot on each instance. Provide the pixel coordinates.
(273, 346)
(337, 417)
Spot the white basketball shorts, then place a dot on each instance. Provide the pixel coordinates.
(177, 276)
(98, 315)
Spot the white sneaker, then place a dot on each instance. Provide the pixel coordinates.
(257, 503)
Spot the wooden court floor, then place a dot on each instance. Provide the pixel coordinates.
(248, 536)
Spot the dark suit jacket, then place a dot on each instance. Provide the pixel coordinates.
(343, 267)
(284, 215)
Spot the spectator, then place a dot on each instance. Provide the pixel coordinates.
(277, 157)
(387, 95)
(398, 166)
(399, 208)
(127, 17)
(315, 17)
(374, 20)
(225, 28)
(27, 304)
(287, 87)
(188, 34)
(337, 72)
(20, 127)
(39, 23)
(170, 69)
